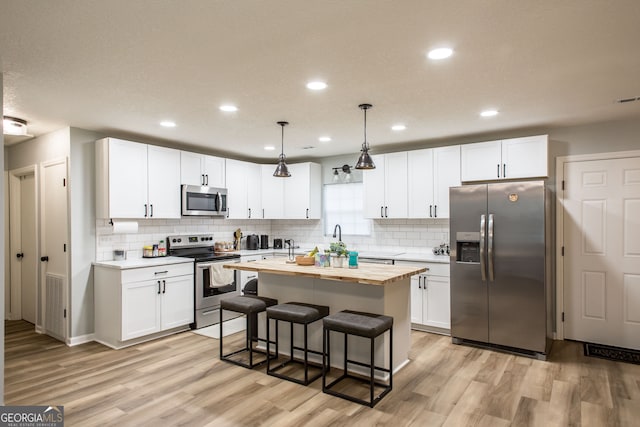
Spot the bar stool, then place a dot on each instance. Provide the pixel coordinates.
(367, 325)
(249, 306)
(295, 313)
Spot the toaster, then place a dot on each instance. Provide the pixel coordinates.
(277, 243)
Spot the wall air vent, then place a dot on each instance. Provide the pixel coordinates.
(308, 147)
(625, 100)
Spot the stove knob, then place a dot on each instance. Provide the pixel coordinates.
(174, 240)
(179, 240)
(210, 238)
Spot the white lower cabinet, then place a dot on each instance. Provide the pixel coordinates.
(430, 299)
(137, 304)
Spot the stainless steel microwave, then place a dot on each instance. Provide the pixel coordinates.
(203, 201)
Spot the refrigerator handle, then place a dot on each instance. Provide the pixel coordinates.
(483, 269)
(490, 246)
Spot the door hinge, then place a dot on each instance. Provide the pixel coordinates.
(562, 251)
(563, 316)
(64, 182)
(563, 184)
(64, 247)
(65, 313)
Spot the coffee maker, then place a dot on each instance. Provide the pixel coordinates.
(264, 241)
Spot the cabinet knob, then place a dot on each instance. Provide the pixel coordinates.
(44, 258)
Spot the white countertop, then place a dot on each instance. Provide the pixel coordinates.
(426, 256)
(142, 262)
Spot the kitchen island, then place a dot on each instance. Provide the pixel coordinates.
(374, 288)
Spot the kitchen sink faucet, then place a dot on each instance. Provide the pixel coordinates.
(290, 243)
(337, 227)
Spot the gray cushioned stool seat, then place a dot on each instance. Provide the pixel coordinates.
(367, 325)
(298, 312)
(250, 305)
(247, 304)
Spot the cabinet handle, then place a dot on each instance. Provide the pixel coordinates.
(202, 179)
(249, 213)
(164, 286)
(158, 287)
(145, 210)
(430, 211)
(504, 170)
(151, 205)
(44, 258)
(161, 272)
(386, 214)
(307, 213)
(435, 211)
(206, 177)
(228, 210)
(263, 213)
(498, 170)
(419, 282)
(381, 211)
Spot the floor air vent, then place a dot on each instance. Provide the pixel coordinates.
(54, 306)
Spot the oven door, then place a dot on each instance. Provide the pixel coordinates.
(209, 293)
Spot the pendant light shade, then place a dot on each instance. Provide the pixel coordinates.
(365, 161)
(282, 171)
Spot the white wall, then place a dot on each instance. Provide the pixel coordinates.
(2, 249)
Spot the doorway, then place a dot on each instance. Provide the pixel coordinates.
(23, 225)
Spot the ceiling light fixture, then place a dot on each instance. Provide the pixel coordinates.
(228, 108)
(398, 127)
(317, 85)
(282, 171)
(324, 139)
(269, 147)
(440, 53)
(167, 124)
(14, 126)
(365, 161)
(489, 113)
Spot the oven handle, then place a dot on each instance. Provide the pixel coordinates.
(203, 265)
(206, 313)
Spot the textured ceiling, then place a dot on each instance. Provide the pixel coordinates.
(120, 67)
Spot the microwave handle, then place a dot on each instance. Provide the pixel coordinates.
(218, 199)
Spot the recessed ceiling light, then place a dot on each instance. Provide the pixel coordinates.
(269, 147)
(324, 139)
(489, 113)
(398, 127)
(440, 53)
(317, 85)
(14, 126)
(167, 124)
(228, 108)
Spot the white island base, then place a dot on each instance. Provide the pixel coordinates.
(392, 299)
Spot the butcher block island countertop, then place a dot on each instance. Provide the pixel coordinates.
(367, 274)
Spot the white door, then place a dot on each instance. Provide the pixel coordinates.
(28, 260)
(140, 308)
(416, 299)
(54, 248)
(602, 251)
(438, 312)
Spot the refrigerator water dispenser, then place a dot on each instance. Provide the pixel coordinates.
(468, 247)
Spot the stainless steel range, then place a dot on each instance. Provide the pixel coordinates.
(212, 282)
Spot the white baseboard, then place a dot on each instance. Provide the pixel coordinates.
(73, 341)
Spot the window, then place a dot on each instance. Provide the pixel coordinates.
(343, 205)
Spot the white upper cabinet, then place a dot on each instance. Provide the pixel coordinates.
(272, 193)
(385, 187)
(302, 192)
(295, 197)
(430, 174)
(201, 169)
(514, 158)
(244, 199)
(136, 180)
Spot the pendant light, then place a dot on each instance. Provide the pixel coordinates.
(282, 171)
(365, 161)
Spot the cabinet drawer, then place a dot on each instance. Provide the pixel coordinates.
(157, 272)
(437, 270)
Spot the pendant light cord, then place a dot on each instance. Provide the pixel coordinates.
(282, 141)
(365, 127)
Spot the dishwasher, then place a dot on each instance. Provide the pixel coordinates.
(365, 260)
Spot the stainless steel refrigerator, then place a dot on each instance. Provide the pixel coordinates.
(500, 266)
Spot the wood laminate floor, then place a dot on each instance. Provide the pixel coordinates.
(179, 380)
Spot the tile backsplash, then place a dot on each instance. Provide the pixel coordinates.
(402, 235)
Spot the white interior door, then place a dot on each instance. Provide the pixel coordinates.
(28, 253)
(54, 248)
(602, 251)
